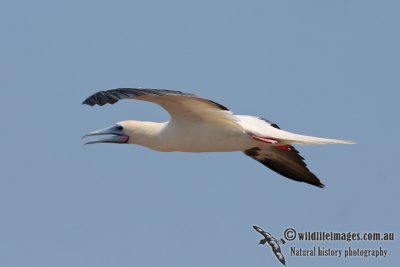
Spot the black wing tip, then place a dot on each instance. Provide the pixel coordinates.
(256, 227)
(317, 184)
(310, 179)
(113, 95)
(99, 98)
(110, 96)
(87, 102)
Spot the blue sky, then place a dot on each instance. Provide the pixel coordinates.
(324, 68)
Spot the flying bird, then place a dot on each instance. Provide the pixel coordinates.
(201, 125)
(273, 242)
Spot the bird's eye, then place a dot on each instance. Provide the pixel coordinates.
(120, 128)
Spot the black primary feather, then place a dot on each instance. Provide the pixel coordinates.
(112, 96)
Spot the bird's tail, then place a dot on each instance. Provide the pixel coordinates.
(292, 138)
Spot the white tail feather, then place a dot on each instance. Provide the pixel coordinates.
(262, 128)
(311, 140)
(292, 138)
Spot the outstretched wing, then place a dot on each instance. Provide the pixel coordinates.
(277, 251)
(262, 232)
(284, 160)
(181, 106)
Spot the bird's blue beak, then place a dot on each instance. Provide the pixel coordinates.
(116, 136)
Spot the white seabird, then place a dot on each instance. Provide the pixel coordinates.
(201, 125)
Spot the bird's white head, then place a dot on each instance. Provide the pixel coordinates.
(119, 133)
(130, 132)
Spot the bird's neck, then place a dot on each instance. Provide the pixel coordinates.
(146, 133)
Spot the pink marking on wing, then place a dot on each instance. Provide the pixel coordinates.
(265, 140)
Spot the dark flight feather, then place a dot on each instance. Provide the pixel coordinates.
(285, 161)
(112, 96)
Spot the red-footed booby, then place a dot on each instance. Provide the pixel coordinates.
(201, 125)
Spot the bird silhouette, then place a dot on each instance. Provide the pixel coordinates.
(273, 242)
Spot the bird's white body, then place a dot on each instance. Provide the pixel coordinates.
(212, 136)
(200, 137)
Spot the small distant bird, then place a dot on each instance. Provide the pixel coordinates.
(201, 125)
(273, 242)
